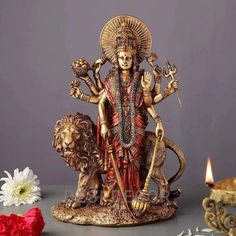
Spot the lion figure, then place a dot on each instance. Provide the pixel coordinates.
(75, 139)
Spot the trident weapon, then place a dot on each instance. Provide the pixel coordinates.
(172, 71)
(118, 178)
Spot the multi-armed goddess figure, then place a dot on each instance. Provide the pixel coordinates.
(128, 155)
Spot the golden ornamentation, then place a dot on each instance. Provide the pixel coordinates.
(119, 141)
(80, 67)
(223, 194)
(140, 31)
(141, 203)
(225, 191)
(75, 140)
(108, 216)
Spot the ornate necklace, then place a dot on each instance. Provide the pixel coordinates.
(126, 82)
(125, 141)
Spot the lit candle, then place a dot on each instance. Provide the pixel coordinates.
(209, 175)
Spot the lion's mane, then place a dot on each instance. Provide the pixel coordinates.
(86, 152)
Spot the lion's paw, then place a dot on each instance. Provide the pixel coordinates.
(158, 201)
(104, 202)
(72, 203)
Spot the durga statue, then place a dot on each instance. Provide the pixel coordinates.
(117, 158)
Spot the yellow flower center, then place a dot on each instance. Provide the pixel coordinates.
(21, 190)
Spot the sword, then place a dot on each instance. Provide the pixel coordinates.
(117, 175)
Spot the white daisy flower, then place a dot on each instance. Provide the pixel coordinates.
(22, 188)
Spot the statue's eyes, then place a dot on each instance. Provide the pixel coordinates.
(122, 58)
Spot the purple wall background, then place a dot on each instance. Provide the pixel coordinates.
(40, 39)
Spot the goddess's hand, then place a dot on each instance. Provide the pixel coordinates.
(146, 80)
(104, 131)
(159, 130)
(74, 83)
(74, 89)
(157, 71)
(173, 86)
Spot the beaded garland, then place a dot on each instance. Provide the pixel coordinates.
(125, 141)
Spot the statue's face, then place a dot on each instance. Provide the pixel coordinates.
(125, 60)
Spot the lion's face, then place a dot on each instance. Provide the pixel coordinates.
(69, 137)
(66, 137)
(75, 139)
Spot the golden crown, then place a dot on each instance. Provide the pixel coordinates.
(124, 39)
(125, 33)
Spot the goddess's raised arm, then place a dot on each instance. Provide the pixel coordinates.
(80, 69)
(146, 83)
(76, 93)
(96, 71)
(170, 89)
(93, 88)
(157, 73)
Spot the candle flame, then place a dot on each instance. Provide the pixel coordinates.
(209, 175)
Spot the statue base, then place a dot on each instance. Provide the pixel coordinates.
(109, 216)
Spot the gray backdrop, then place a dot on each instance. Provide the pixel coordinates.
(40, 39)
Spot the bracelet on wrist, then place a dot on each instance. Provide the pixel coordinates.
(165, 93)
(157, 119)
(103, 122)
(83, 97)
(89, 81)
(146, 92)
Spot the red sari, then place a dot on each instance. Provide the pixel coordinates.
(128, 158)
